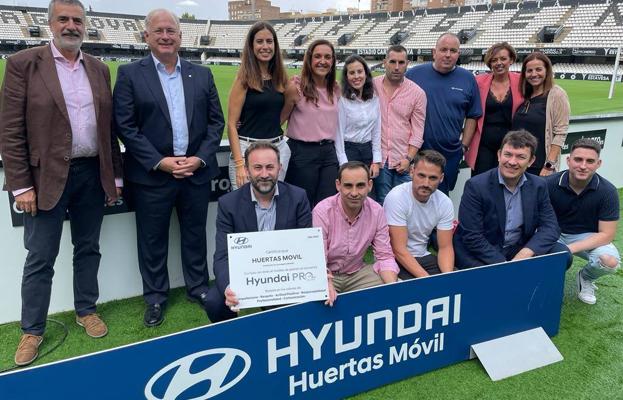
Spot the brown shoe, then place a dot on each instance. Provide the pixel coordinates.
(27, 349)
(93, 325)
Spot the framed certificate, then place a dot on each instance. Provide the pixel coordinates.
(277, 267)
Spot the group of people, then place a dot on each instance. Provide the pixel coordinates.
(369, 160)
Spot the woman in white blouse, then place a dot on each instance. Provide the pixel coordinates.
(359, 117)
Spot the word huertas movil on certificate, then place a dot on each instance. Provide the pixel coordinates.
(277, 267)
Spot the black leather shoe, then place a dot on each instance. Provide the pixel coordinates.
(154, 315)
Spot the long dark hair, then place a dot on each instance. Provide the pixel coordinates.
(525, 86)
(368, 88)
(249, 73)
(308, 87)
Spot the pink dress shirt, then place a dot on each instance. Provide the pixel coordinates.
(79, 102)
(402, 119)
(312, 123)
(346, 243)
(80, 108)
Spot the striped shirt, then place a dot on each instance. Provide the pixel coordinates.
(402, 119)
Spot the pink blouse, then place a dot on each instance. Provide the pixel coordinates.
(312, 123)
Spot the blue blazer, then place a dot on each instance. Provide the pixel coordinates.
(143, 123)
(479, 238)
(236, 214)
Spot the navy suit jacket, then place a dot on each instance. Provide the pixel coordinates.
(144, 125)
(479, 238)
(236, 214)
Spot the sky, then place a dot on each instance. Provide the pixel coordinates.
(202, 9)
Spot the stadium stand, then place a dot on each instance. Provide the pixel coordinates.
(587, 32)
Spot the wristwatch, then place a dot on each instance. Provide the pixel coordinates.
(550, 165)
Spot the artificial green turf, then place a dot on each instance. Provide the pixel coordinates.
(589, 339)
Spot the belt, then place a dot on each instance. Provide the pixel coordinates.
(253, 140)
(82, 160)
(320, 143)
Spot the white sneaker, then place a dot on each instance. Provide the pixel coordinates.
(586, 290)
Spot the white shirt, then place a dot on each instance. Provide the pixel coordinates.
(402, 209)
(360, 122)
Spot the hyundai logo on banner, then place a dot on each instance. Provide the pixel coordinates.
(181, 376)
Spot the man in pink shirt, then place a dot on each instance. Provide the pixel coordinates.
(403, 111)
(350, 223)
(60, 157)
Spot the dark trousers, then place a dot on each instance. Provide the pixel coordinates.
(359, 152)
(429, 263)
(486, 160)
(154, 205)
(313, 166)
(451, 172)
(83, 198)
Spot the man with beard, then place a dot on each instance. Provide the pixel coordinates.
(263, 204)
(403, 110)
(351, 222)
(414, 209)
(505, 214)
(60, 157)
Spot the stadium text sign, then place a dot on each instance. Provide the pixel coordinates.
(369, 338)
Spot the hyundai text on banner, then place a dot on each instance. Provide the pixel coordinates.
(277, 267)
(367, 339)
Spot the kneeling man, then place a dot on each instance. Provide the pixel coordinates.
(505, 214)
(263, 204)
(414, 209)
(351, 222)
(587, 207)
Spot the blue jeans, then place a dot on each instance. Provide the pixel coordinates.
(593, 269)
(387, 179)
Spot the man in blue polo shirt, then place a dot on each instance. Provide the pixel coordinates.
(587, 208)
(453, 105)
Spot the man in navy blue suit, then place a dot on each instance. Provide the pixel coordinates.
(263, 204)
(505, 214)
(168, 115)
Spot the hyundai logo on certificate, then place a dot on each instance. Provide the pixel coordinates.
(277, 267)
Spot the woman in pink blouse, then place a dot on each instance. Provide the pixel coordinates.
(311, 106)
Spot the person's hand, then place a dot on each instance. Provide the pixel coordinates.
(168, 164)
(27, 202)
(546, 172)
(186, 167)
(241, 175)
(110, 201)
(402, 166)
(231, 300)
(374, 170)
(332, 294)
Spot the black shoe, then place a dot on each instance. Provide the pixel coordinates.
(154, 315)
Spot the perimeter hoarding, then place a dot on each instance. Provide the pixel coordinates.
(309, 351)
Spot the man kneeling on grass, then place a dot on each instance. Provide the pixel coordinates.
(351, 222)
